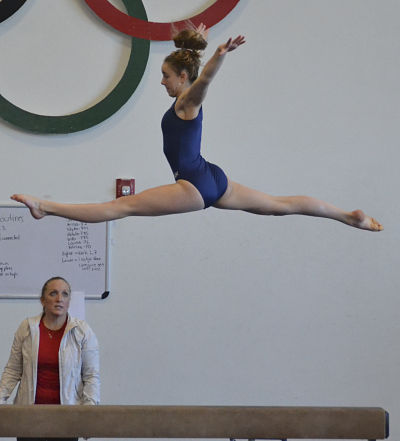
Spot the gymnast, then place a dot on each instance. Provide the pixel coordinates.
(199, 184)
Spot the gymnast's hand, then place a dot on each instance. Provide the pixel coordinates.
(202, 30)
(231, 44)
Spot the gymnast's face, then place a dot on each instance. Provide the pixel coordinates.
(56, 298)
(172, 82)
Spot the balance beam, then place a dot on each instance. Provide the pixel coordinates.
(245, 422)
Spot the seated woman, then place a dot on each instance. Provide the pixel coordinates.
(54, 358)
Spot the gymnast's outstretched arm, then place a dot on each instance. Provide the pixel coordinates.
(195, 94)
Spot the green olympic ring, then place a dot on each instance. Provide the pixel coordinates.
(100, 111)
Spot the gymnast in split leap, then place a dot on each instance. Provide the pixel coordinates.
(199, 184)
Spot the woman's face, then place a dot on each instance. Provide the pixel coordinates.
(171, 80)
(56, 298)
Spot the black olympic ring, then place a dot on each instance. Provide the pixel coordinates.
(9, 7)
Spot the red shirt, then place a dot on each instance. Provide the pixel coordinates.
(48, 380)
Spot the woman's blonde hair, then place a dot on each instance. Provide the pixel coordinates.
(50, 280)
(187, 57)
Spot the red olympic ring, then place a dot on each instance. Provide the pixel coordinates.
(158, 31)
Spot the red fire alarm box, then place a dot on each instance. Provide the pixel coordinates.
(125, 187)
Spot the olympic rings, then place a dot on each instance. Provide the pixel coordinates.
(9, 7)
(135, 24)
(100, 111)
(157, 31)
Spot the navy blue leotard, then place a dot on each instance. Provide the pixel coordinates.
(182, 141)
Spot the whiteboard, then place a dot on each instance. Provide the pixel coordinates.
(32, 251)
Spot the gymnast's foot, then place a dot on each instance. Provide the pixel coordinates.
(359, 219)
(34, 204)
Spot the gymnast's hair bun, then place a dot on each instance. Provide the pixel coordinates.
(190, 39)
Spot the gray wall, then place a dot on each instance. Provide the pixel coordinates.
(221, 307)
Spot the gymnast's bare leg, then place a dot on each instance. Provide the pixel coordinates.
(239, 197)
(183, 197)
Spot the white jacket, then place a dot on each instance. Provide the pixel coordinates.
(78, 360)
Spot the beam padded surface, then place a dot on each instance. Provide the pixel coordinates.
(193, 422)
